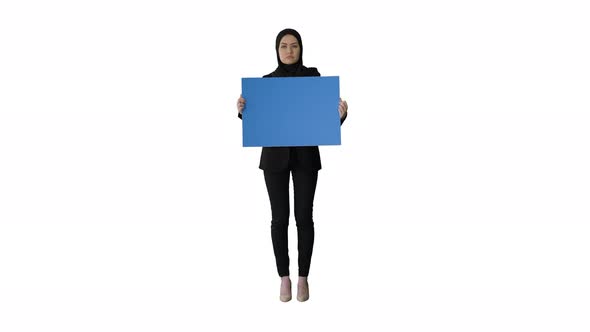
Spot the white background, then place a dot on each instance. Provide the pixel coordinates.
(458, 201)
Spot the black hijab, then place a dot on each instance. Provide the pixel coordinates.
(296, 69)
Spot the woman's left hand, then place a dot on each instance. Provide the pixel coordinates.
(342, 108)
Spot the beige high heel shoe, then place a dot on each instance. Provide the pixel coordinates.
(285, 297)
(303, 292)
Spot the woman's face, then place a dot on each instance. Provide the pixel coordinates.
(289, 50)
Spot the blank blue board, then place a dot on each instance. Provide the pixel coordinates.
(291, 111)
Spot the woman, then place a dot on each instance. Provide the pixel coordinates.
(303, 163)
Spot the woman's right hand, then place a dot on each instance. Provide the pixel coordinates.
(241, 104)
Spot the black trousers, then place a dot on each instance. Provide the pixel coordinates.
(304, 185)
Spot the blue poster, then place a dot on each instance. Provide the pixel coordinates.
(291, 111)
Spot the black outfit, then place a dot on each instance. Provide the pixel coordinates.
(304, 163)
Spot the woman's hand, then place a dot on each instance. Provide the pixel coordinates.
(241, 104)
(342, 108)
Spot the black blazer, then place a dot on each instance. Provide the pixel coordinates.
(276, 159)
